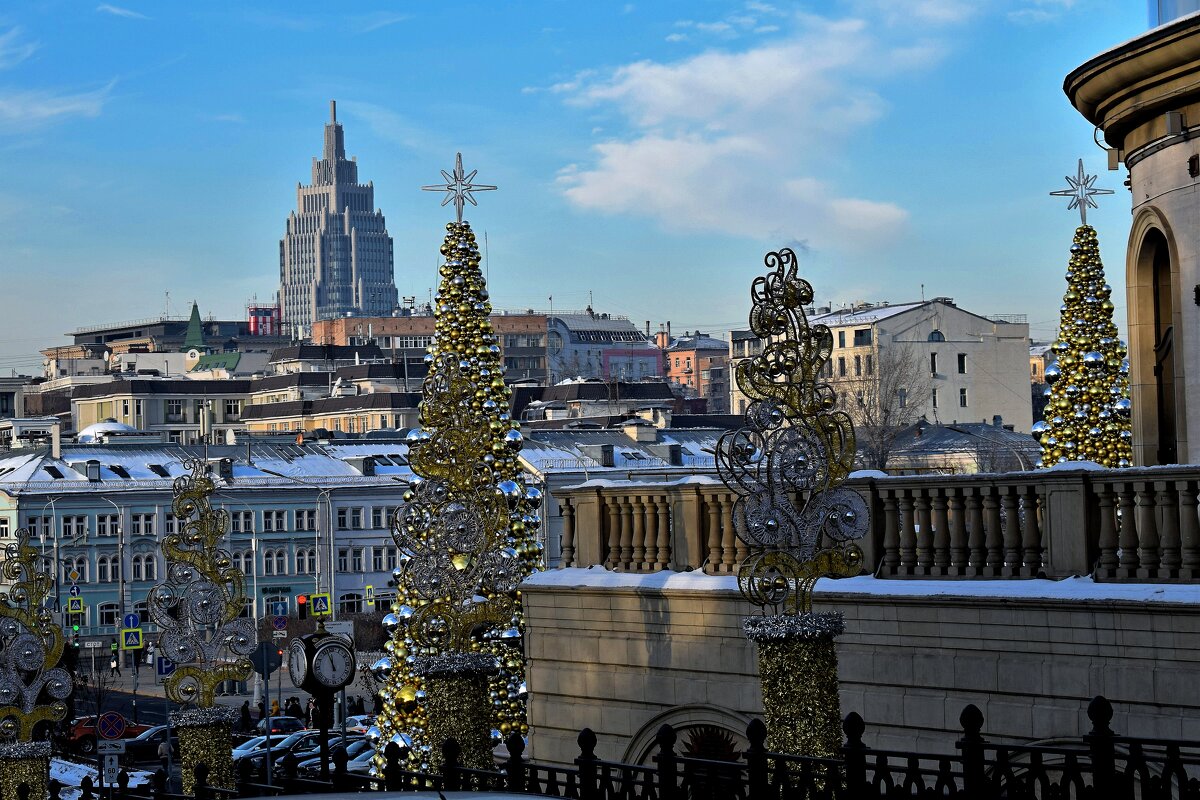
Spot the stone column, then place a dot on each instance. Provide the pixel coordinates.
(797, 664)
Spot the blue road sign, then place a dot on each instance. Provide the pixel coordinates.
(132, 621)
(110, 725)
(74, 590)
(279, 623)
(279, 609)
(163, 666)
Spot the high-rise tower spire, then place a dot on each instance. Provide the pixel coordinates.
(336, 256)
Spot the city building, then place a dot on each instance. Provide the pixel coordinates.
(406, 337)
(335, 257)
(1040, 357)
(699, 365)
(181, 410)
(298, 515)
(584, 344)
(595, 401)
(1143, 96)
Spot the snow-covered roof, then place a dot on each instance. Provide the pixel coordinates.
(862, 316)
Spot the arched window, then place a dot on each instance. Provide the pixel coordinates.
(281, 562)
(143, 611)
(301, 554)
(937, 336)
(108, 614)
(135, 564)
(272, 600)
(150, 566)
(268, 562)
(103, 569)
(310, 563)
(80, 565)
(350, 603)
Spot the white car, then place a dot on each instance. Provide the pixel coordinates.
(360, 722)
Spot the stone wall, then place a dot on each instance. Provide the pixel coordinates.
(623, 653)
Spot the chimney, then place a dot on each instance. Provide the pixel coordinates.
(56, 440)
(997, 421)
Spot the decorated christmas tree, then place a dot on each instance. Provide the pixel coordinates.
(1087, 411)
(467, 535)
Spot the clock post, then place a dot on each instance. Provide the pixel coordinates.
(321, 664)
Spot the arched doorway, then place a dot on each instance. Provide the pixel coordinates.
(1156, 374)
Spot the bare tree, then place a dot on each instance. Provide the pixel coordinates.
(889, 393)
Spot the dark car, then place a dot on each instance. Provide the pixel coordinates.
(298, 741)
(281, 725)
(310, 767)
(144, 747)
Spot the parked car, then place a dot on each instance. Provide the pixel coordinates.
(360, 722)
(311, 767)
(254, 743)
(295, 741)
(144, 747)
(82, 735)
(281, 725)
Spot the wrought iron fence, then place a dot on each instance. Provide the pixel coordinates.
(1099, 766)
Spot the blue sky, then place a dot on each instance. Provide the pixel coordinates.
(648, 153)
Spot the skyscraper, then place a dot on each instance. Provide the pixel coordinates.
(336, 256)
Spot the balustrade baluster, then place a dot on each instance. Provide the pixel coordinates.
(1031, 529)
(1168, 541)
(612, 508)
(740, 549)
(1147, 528)
(959, 552)
(976, 541)
(626, 517)
(993, 538)
(908, 535)
(924, 533)
(638, 556)
(891, 534)
(1011, 520)
(664, 532)
(1127, 536)
(650, 503)
(568, 532)
(713, 562)
(1189, 530)
(728, 537)
(1107, 541)
(941, 533)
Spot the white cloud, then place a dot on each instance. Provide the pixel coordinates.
(32, 109)
(117, 11)
(373, 22)
(677, 37)
(736, 141)
(13, 49)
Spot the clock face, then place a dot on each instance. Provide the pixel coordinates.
(297, 663)
(333, 665)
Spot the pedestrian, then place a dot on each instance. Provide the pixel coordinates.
(245, 720)
(164, 753)
(274, 709)
(262, 709)
(114, 666)
(308, 713)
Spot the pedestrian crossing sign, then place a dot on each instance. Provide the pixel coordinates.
(369, 594)
(131, 638)
(74, 605)
(319, 605)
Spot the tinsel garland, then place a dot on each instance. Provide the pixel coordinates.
(24, 762)
(458, 709)
(797, 664)
(204, 738)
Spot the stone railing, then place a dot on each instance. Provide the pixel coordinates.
(1127, 525)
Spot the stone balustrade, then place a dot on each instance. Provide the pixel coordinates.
(1116, 525)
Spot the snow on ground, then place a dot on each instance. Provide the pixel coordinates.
(1074, 588)
(71, 773)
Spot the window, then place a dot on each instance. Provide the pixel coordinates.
(306, 561)
(902, 396)
(841, 367)
(105, 572)
(142, 524)
(934, 397)
(268, 562)
(275, 520)
(343, 560)
(38, 526)
(962, 398)
(173, 524)
(233, 408)
(275, 599)
(107, 525)
(392, 553)
(933, 363)
(377, 559)
(3, 527)
(108, 613)
(174, 411)
(306, 519)
(937, 336)
(962, 363)
(862, 337)
(351, 603)
(857, 366)
(381, 517)
(73, 526)
(841, 338)
(136, 568)
(78, 564)
(242, 521)
(244, 561)
(349, 519)
(870, 365)
(357, 561)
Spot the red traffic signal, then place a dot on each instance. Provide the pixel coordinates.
(302, 605)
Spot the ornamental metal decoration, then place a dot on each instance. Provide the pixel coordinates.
(458, 187)
(787, 463)
(1081, 189)
(33, 688)
(198, 606)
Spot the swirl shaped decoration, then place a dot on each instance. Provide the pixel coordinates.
(787, 462)
(33, 688)
(197, 606)
(467, 535)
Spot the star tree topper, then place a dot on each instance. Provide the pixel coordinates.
(458, 187)
(1081, 191)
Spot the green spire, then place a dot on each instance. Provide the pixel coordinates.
(194, 340)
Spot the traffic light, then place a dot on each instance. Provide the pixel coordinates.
(302, 605)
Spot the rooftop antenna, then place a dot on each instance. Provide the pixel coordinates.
(167, 304)
(922, 293)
